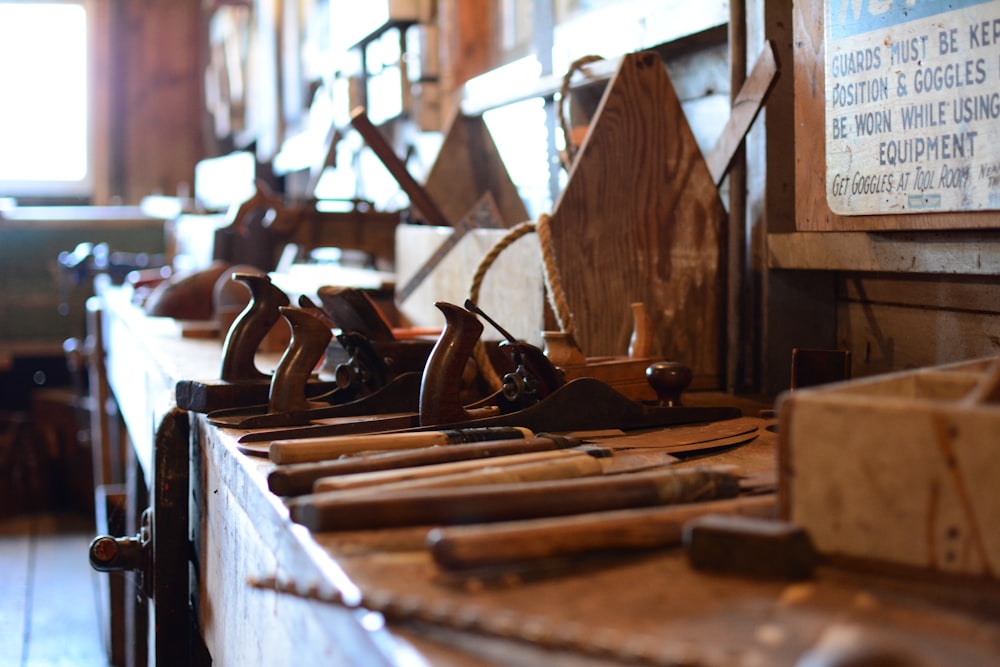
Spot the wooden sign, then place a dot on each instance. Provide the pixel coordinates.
(912, 106)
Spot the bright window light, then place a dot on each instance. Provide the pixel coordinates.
(43, 98)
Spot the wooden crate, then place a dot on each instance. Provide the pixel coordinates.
(897, 472)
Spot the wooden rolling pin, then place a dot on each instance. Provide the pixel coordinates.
(318, 449)
(500, 502)
(476, 547)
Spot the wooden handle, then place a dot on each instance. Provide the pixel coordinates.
(468, 547)
(440, 386)
(298, 479)
(250, 327)
(417, 194)
(310, 336)
(529, 466)
(319, 449)
(483, 503)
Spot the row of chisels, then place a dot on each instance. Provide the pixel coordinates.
(458, 480)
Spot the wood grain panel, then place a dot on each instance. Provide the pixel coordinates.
(641, 220)
(159, 136)
(812, 212)
(883, 338)
(966, 293)
(467, 167)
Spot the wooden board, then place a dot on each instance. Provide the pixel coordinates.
(467, 167)
(512, 292)
(881, 336)
(641, 221)
(812, 211)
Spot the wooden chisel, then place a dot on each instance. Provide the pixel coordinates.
(301, 450)
(298, 478)
(318, 449)
(528, 467)
(463, 548)
(336, 510)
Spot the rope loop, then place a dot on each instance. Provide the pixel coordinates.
(553, 286)
(576, 66)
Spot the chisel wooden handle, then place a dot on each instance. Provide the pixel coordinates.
(319, 449)
(474, 547)
(531, 466)
(486, 503)
(297, 479)
(419, 197)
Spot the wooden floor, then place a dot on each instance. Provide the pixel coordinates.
(49, 594)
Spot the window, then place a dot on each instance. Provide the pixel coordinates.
(43, 100)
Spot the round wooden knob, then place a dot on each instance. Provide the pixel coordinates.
(668, 379)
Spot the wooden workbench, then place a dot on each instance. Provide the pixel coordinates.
(651, 605)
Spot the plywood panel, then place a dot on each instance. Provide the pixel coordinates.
(884, 338)
(469, 166)
(641, 221)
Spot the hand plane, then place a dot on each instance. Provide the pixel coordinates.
(374, 373)
(240, 381)
(552, 405)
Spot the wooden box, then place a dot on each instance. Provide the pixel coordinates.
(899, 472)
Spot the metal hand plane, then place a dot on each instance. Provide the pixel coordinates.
(534, 396)
(240, 382)
(375, 372)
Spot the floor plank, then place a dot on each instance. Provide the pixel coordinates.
(14, 557)
(48, 594)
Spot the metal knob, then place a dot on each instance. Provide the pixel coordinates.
(114, 554)
(668, 379)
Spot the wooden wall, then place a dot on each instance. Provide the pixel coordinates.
(808, 289)
(895, 299)
(148, 97)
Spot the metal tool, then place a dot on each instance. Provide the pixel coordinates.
(329, 456)
(240, 382)
(377, 374)
(582, 404)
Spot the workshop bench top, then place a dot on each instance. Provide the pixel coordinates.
(272, 592)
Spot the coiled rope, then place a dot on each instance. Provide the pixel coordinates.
(553, 286)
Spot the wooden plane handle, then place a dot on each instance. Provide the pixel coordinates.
(440, 386)
(310, 336)
(250, 327)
